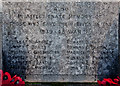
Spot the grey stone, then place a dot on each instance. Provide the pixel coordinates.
(0, 46)
(60, 41)
(0, 40)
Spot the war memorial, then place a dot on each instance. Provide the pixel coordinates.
(60, 41)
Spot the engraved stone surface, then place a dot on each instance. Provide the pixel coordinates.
(0, 40)
(0, 46)
(60, 41)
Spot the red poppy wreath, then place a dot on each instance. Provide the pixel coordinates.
(109, 82)
(7, 80)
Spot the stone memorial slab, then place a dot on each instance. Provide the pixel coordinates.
(0, 41)
(60, 41)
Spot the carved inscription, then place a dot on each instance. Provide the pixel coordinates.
(58, 38)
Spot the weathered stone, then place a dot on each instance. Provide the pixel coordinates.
(0, 46)
(60, 41)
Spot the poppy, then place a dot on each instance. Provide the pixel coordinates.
(6, 78)
(13, 80)
(116, 80)
(1, 77)
(17, 81)
(101, 83)
(109, 80)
